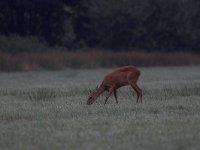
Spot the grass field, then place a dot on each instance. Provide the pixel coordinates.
(47, 111)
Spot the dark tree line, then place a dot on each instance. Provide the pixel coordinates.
(111, 24)
(42, 18)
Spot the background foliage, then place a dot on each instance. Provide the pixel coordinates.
(108, 24)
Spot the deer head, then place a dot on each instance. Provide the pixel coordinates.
(92, 96)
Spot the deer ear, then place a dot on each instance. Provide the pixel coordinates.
(89, 91)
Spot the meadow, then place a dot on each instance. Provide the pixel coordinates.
(46, 110)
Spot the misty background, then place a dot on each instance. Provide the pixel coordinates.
(59, 34)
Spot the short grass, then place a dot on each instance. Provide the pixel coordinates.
(47, 111)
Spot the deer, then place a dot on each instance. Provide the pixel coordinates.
(126, 75)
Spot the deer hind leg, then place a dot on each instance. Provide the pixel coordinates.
(109, 93)
(115, 94)
(140, 92)
(137, 90)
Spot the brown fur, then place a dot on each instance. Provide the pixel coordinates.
(127, 75)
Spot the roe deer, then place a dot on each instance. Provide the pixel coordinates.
(127, 75)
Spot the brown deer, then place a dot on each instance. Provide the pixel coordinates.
(127, 75)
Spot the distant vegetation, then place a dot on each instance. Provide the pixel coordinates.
(57, 59)
(152, 25)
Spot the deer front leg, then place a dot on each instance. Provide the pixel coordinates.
(110, 92)
(115, 94)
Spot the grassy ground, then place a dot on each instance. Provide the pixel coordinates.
(47, 111)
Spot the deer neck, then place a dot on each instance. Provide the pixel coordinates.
(99, 91)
